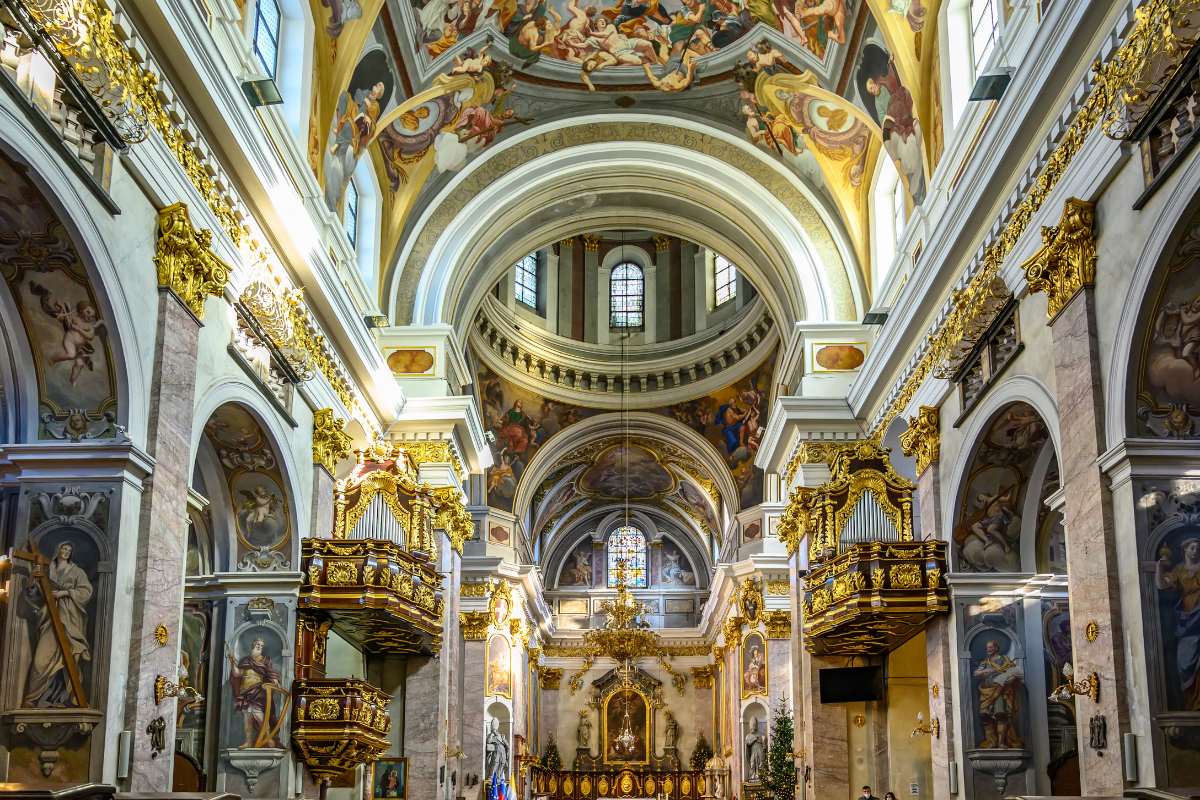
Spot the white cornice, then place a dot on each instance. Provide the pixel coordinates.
(456, 414)
(792, 416)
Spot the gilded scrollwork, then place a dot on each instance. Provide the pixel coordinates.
(330, 442)
(1066, 261)
(474, 625)
(184, 260)
(921, 440)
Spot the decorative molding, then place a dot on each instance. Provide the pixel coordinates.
(814, 451)
(184, 262)
(591, 242)
(662, 243)
(922, 440)
(330, 442)
(474, 589)
(779, 588)
(451, 515)
(702, 676)
(474, 625)
(436, 451)
(1066, 261)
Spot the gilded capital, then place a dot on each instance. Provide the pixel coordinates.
(591, 242)
(550, 678)
(453, 517)
(434, 451)
(702, 676)
(184, 262)
(778, 624)
(1066, 261)
(474, 625)
(813, 451)
(330, 442)
(662, 243)
(921, 441)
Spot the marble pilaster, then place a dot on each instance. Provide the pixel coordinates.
(162, 537)
(1091, 543)
(322, 503)
(474, 660)
(423, 691)
(825, 740)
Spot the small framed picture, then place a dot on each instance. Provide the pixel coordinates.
(390, 778)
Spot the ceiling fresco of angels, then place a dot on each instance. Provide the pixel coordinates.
(662, 38)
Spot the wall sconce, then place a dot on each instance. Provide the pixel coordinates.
(163, 689)
(1065, 692)
(934, 728)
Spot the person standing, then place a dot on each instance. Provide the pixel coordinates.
(866, 794)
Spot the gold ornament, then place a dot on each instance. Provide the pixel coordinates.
(1066, 261)
(702, 676)
(662, 243)
(475, 589)
(474, 625)
(330, 442)
(778, 624)
(779, 588)
(272, 312)
(591, 242)
(550, 678)
(1092, 631)
(452, 516)
(184, 262)
(160, 634)
(921, 440)
(436, 451)
(812, 451)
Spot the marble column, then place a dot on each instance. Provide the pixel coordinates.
(162, 539)
(939, 656)
(1091, 542)
(474, 659)
(565, 271)
(687, 289)
(593, 289)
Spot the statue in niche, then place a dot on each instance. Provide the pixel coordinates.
(999, 684)
(1183, 579)
(583, 734)
(496, 752)
(47, 685)
(672, 733)
(755, 747)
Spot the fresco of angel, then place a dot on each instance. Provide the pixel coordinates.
(81, 326)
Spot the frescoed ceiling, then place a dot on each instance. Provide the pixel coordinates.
(422, 87)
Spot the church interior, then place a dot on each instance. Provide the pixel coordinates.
(588, 399)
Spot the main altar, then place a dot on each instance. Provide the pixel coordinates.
(632, 711)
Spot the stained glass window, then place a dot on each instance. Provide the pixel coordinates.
(628, 545)
(350, 218)
(266, 34)
(627, 296)
(725, 274)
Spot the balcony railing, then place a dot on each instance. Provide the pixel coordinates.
(377, 595)
(873, 597)
(616, 782)
(338, 724)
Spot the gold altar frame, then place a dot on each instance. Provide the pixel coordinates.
(649, 732)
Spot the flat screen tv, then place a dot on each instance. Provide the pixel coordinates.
(851, 684)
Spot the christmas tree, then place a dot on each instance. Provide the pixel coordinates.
(780, 780)
(701, 754)
(550, 758)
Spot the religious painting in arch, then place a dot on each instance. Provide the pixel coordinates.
(677, 568)
(62, 319)
(259, 504)
(577, 567)
(753, 665)
(994, 670)
(626, 733)
(626, 470)
(499, 667)
(1167, 402)
(259, 702)
(987, 534)
(59, 607)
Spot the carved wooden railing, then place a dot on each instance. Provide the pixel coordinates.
(615, 783)
(873, 597)
(378, 595)
(338, 724)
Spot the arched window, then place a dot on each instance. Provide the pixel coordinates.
(627, 547)
(724, 280)
(525, 280)
(627, 296)
(888, 209)
(350, 214)
(267, 22)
